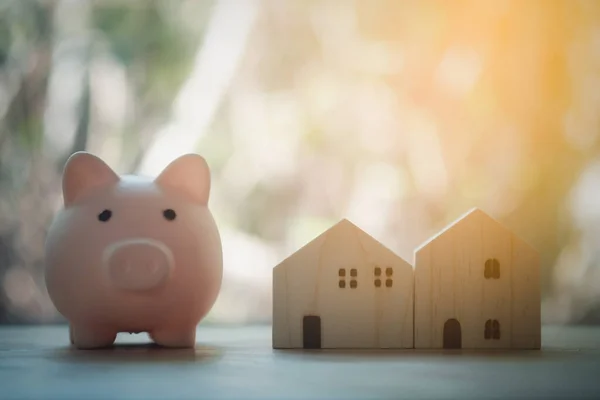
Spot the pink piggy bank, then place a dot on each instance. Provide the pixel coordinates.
(133, 254)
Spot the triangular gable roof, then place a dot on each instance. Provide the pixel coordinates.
(340, 225)
(473, 213)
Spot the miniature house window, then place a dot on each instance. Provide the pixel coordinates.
(388, 272)
(491, 330)
(492, 269)
(342, 275)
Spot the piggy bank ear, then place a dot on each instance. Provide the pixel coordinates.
(190, 175)
(83, 173)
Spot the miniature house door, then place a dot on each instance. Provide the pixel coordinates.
(311, 332)
(452, 334)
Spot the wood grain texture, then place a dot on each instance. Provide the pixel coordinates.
(364, 316)
(238, 363)
(451, 283)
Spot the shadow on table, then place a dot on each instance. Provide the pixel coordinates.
(139, 353)
(433, 354)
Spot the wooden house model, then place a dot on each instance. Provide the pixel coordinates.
(344, 289)
(474, 285)
(477, 285)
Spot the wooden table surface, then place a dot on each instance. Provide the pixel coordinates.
(239, 363)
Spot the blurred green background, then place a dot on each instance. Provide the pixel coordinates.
(399, 115)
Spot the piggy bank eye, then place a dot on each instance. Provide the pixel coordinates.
(169, 214)
(105, 215)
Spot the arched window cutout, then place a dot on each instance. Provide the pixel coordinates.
(342, 272)
(487, 272)
(353, 284)
(491, 269)
(377, 271)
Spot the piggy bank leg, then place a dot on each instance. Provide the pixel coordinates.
(173, 337)
(88, 337)
(71, 335)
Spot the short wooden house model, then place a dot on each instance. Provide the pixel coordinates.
(344, 289)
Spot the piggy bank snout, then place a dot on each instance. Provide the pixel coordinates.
(138, 264)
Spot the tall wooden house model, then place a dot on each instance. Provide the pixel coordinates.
(477, 285)
(474, 285)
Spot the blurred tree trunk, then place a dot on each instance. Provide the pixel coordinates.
(28, 61)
